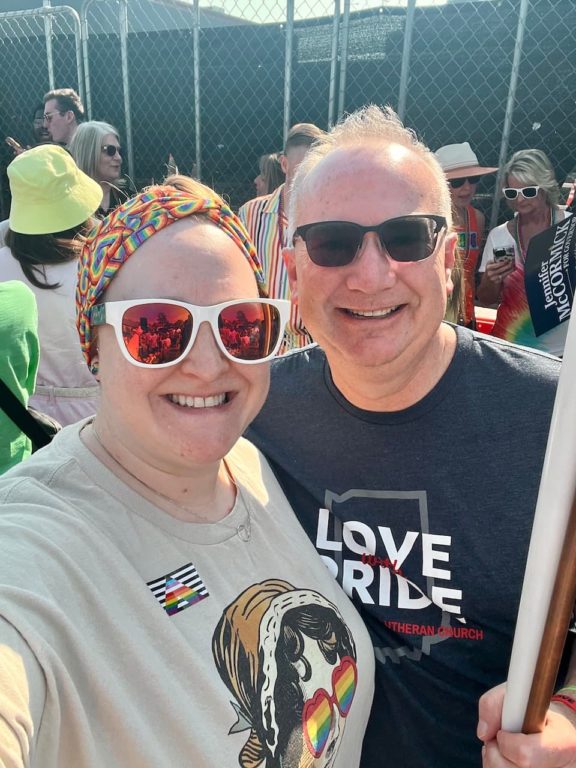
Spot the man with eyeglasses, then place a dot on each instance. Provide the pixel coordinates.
(401, 442)
(63, 113)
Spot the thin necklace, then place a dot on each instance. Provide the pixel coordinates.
(518, 235)
(243, 530)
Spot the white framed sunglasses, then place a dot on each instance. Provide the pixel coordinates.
(157, 333)
(511, 193)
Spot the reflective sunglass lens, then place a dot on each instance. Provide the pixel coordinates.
(249, 330)
(529, 191)
(156, 333)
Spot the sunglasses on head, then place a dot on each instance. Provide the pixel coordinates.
(406, 238)
(157, 333)
(111, 149)
(455, 183)
(511, 193)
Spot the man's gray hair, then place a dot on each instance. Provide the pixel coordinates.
(369, 125)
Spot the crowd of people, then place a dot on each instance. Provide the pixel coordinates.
(276, 511)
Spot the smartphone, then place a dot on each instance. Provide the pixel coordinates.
(503, 254)
(13, 144)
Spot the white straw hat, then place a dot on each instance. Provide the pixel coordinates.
(458, 160)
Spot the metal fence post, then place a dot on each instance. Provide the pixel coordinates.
(84, 33)
(196, 43)
(522, 16)
(288, 66)
(344, 57)
(334, 64)
(123, 22)
(49, 52)
(47, 12)
(406, 50)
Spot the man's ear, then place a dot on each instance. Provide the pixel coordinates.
(289, 256)
(284, 163)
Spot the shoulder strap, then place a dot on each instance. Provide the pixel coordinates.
(15, 411)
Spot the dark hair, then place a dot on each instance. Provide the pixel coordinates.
(38, 108)
(35, 252)
(302, 135)
(68, 101)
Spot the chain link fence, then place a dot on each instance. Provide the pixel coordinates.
(217, 87)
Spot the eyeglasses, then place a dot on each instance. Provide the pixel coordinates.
(318, 711)
(511, 193)
(157, 333)
(455, 183)
(406, 238)
(49, 115)
(111, 149)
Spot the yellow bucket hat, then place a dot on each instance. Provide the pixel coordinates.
(49, 192)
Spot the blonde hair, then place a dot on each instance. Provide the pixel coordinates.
(86, 145)
(532, 166)
(370, 124)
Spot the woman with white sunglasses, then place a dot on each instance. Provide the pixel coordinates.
(160, 605)
(532, 192)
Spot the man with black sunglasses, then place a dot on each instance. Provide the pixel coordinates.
(401, 442)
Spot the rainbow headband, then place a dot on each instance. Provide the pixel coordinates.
(116, 237)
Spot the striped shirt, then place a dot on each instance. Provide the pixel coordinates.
(266, 222)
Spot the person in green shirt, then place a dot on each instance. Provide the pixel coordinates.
(18, 363)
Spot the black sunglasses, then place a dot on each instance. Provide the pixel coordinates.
(406, 238)
(111, 149)
(455, 183)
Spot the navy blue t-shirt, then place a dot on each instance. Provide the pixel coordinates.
(424, 516)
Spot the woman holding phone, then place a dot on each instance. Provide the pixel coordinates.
(531, 190)
(148, 553)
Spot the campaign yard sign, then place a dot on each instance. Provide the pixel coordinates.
(550, 275)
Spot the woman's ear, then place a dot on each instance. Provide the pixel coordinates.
(95, 361)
